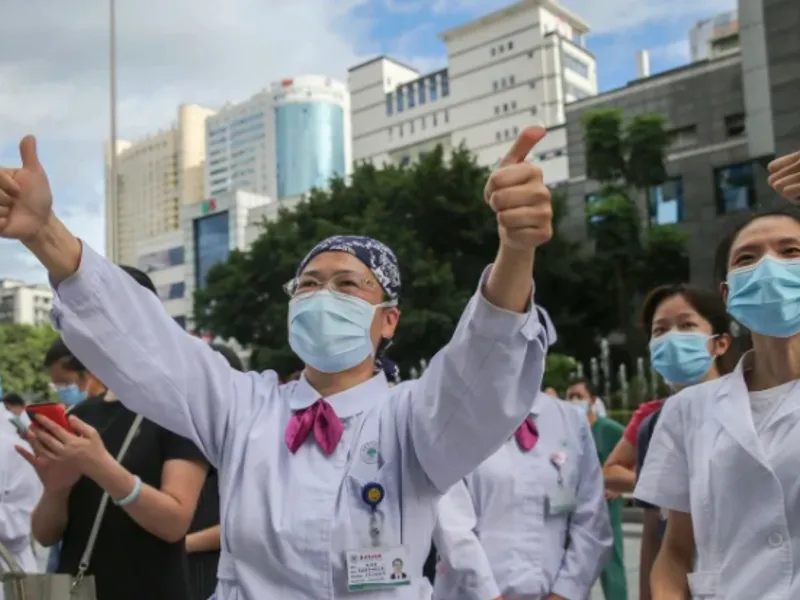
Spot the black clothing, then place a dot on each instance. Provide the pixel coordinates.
(128, 562)
(203, 565)
(429, 569)
(646, 430)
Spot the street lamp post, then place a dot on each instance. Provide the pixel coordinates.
(114, 167)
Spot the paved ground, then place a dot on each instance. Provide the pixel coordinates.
(633, 536)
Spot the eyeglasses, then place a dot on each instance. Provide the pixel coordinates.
(351, 284)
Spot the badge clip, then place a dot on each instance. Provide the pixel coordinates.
(372, 494)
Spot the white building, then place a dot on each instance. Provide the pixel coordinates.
(714, 37)
(155, 176)
(211, 230)
(507, 70)
(163, 258)
(26, 304)
(283, 141)
(260, 215)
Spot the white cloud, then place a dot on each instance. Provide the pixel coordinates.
(675, 52)
(54, 78)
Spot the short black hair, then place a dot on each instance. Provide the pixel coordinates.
(233, 359)
(13, 400)
(723, 252)
(142, 278)
(59, 353)
(576, 380)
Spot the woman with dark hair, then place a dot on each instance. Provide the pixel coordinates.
(203, 543)
(688, 329)
(724, 456)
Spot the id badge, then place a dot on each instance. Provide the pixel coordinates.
(560, 501)
(373, 569)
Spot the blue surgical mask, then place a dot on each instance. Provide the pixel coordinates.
(330, 331)
(581, 403)
(765, 297)
(70, 395)
(681, 357)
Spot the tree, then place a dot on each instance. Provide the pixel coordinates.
(22, 350)
(628, 159)
(434, 217)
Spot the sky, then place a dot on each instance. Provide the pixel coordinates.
(54, 68)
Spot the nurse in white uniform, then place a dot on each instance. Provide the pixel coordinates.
(329, 484)
(725, 456)
(531, 522)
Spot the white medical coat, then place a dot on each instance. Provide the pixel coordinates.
(287, 519)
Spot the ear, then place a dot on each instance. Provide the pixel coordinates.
(723, 290)
(722, 343)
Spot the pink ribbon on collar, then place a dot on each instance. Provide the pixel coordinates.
(319, 418)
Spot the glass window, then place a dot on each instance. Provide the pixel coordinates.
(309, 146)
(666, 202)
(575, 65)
(434, 94)
(389, 105)
(588, 201)
(212, 244)
(163, 259)
(400, 103)
(177, 290)
(511, 80)
(421, 90)
(735, 187)
(445, 85)
(411, 96)
(180, 320)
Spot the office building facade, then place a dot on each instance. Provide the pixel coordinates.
(25, 304)
(163, 259)
(156, 175)
(283, 141)
(507, 70)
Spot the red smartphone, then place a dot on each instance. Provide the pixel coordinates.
(52, 410)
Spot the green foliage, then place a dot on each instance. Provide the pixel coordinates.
(646, 142)
(22, 350)
(605, 148)
(558, 370)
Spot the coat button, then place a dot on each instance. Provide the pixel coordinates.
(775, 540)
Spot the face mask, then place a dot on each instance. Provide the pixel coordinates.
(581, 403)
(330, 331)
(681, 357)
(765, 297)
(70, 394)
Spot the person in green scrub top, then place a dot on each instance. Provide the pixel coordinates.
(607, 433)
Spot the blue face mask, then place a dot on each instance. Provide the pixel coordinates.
(765, 297)
(70, 395)
(330, 331)
(681, 357)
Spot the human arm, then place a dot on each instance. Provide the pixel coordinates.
(206, 540)
(650, 545)
(669, 577)
(664, 482)
(619, 468)
(590, 537)
(49, 518)
(459, 547)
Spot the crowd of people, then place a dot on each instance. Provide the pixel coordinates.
(177, 475)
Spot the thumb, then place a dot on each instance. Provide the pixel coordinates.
(27, 151)
(529, 137)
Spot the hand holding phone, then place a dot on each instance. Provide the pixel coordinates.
(52, 410)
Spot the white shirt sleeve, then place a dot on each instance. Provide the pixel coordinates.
(476, 390)
(664, 478)
(20, 491)
(459, 548)
(122, 333)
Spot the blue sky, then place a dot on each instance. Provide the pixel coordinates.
(196, 53)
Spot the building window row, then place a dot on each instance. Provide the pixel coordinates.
(507, 134)
(502, 48)
(734, 190)
(422, 122)
(574, 64)
(505, 107)
(576, 92)
(504, 83)
(419, 92)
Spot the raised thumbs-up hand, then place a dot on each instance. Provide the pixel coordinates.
(784, 176)
(25, 200)
(520, 199)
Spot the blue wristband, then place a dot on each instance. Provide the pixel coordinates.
(133, 496)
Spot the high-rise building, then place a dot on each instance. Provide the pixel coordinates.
(283, 141)
(711, 38)
(163, 258)
(26, 304)
(156, 175)
(510, 69)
